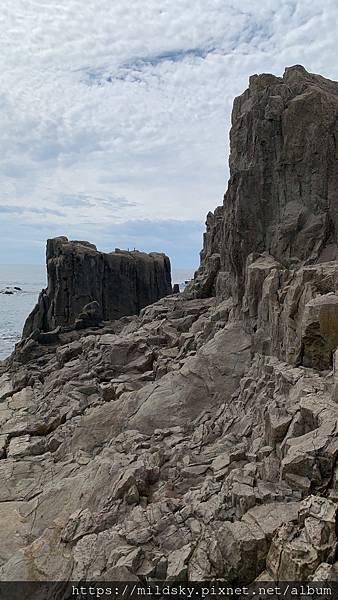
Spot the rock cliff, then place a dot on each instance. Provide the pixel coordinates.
(120, 283)
(198, 439)
(282, 193)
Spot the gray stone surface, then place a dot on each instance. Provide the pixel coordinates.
(197, 439)
(282, 193)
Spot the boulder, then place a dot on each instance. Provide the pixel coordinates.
(90, 316)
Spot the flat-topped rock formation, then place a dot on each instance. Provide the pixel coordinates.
(196, 440)
(121, 283)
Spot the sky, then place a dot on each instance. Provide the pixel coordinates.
(115, 115)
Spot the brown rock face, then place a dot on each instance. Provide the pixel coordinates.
(121, 283)
(283, 187)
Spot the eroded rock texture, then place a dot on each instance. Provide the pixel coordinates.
(282, 192)
(121, 283)
(197, 439)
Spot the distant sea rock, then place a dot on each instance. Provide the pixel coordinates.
(10, 291)
(120, 282)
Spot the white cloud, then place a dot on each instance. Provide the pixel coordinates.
(112, 99)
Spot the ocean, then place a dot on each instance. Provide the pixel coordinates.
(14, 308)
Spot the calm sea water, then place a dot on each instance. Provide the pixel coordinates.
(15, 308)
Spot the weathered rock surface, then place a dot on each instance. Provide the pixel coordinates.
(282, 193)
(120, 283)
(198, 439)
(298, 549)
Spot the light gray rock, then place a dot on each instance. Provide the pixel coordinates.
(299, 549)
(178, 563)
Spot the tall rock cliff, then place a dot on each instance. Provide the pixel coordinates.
(198, 439)
(283, 186)
(121, 283)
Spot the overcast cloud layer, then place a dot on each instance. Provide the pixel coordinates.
(115, 115)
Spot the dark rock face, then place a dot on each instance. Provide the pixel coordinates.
(282, 192)
(204, 283)
(197, 440)
(121, 283)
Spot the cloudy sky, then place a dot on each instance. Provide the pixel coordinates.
(115, 114)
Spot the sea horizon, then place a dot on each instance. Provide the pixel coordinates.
(177, 273)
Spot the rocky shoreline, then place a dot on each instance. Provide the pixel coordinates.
(196, 439)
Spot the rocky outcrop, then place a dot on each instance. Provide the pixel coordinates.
(204, 283)
(292, 313)
(121, 283)
(198, 439)
(157, 443)
(10, 291)
(282, 192)
(306, 548)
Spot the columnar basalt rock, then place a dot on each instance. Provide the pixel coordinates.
(196, 440)
(283, 186)
(120, 282)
